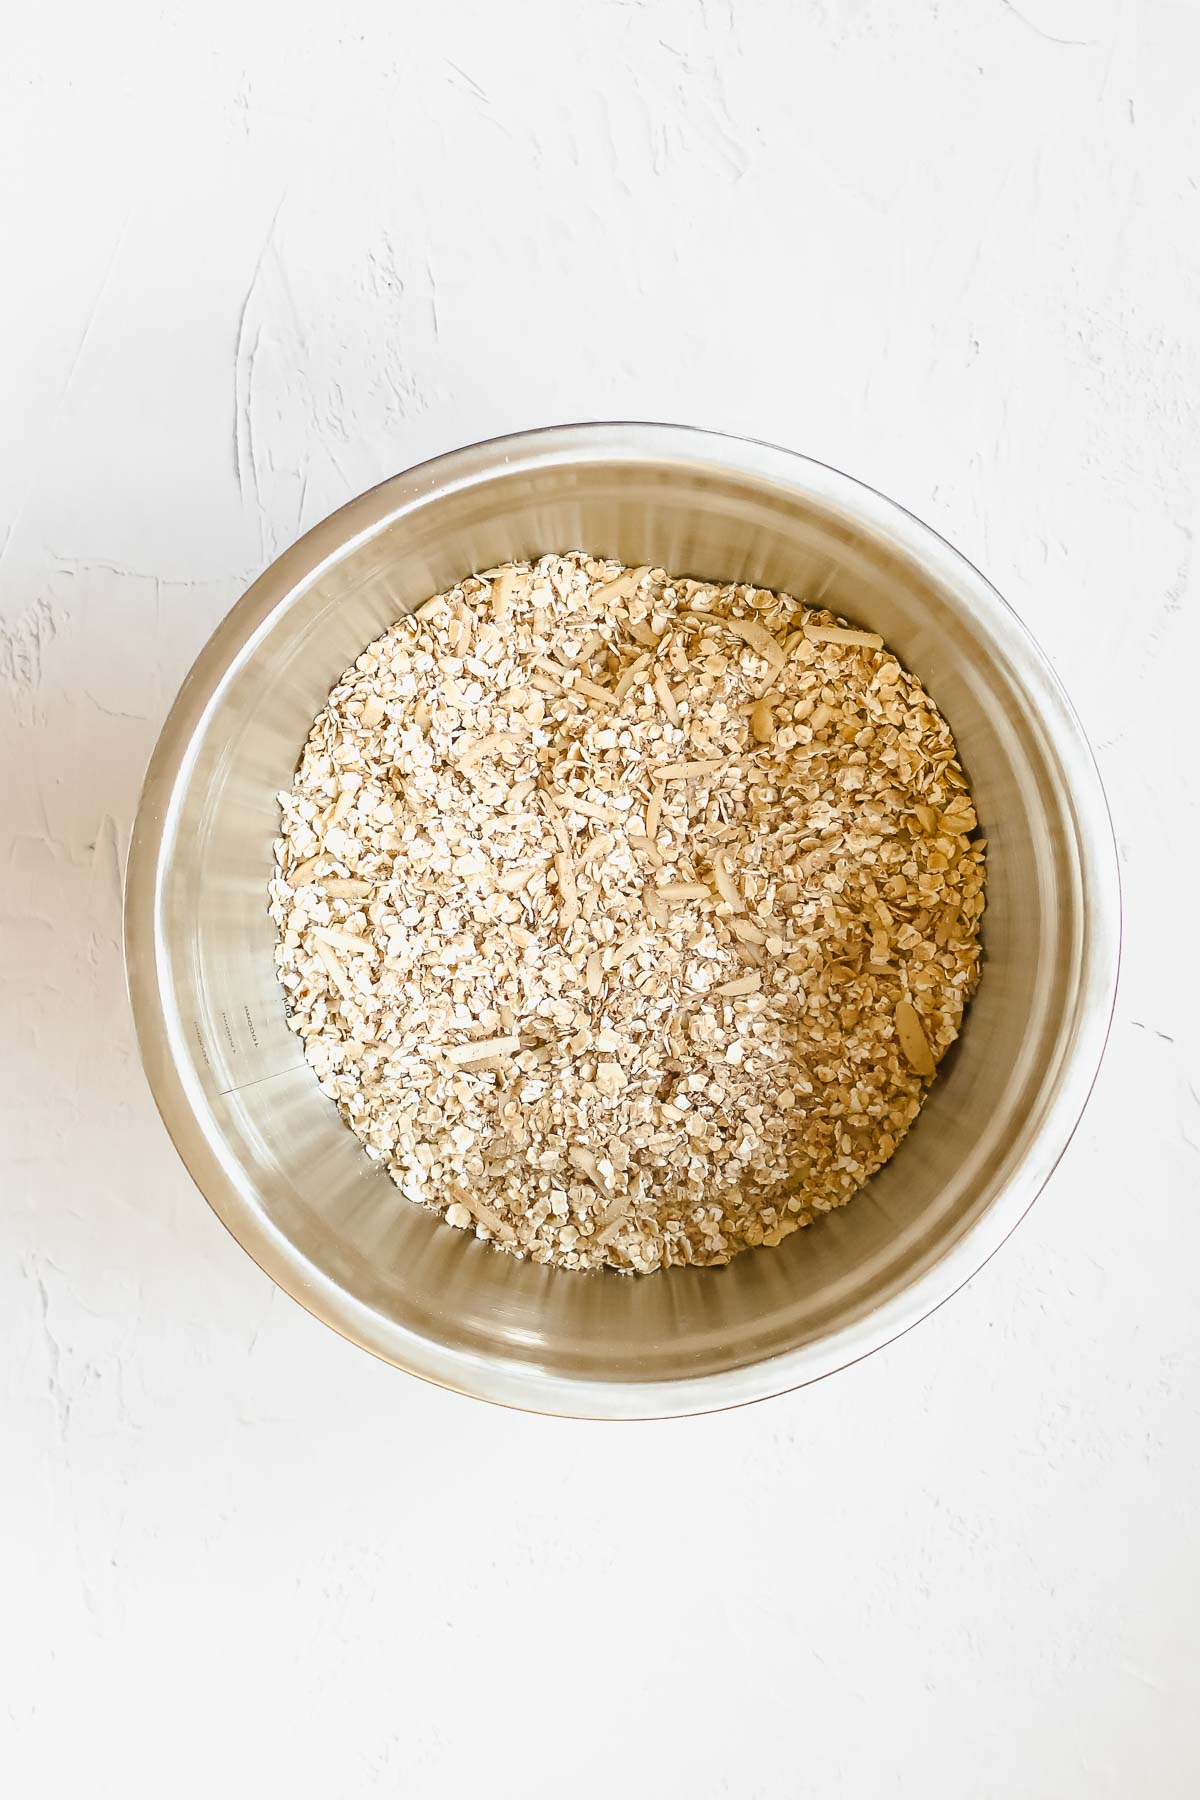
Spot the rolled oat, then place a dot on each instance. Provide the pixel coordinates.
(626, 918)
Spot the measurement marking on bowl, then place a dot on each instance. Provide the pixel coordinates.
(258, 1080)
(237, 1062)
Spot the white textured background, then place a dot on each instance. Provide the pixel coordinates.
(254, 259)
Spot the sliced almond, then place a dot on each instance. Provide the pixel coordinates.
(557, 822)
(515, 881)
(462, 1055)
(682, 890)
(745, 984)
(591, 644)
(655, 909)
(504, 591)
(620, 587)
(333, 967)
(913, 1042)
(344, 887)
(689, 771)
(666, 698)
(747, 931)
(589, 809)
(760, 639)
(586, 1163)
(483, 1214)
(726, 886)
(592, 690)
(648, 848)
(568, 892)
(762, 718)
(344, 940)
(843, 634)
(337, 812)
(488, 745)
(598, 850)
(628, 676)
(615, 1216)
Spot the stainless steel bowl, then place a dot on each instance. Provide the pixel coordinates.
(270, 1153)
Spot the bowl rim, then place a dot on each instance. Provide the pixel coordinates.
(178, 1098)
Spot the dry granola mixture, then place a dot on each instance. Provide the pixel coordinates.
(626, 918)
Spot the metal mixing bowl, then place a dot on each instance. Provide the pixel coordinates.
(293, 1185)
